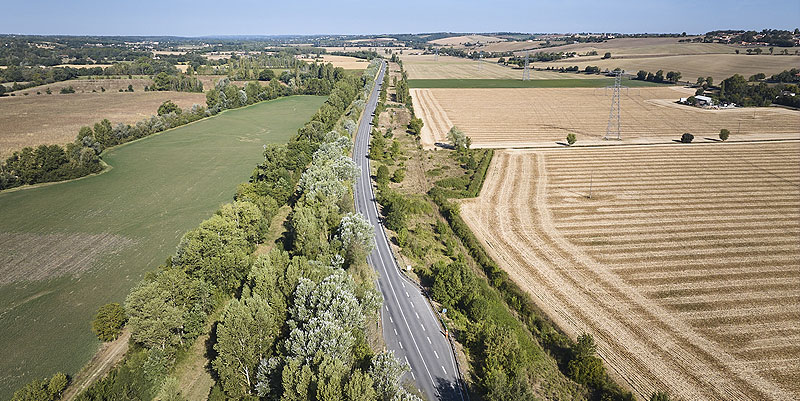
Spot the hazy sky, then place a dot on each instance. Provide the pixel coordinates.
(268, 17)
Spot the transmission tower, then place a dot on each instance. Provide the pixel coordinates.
(436, 56)
(613, 128)
(526, 73)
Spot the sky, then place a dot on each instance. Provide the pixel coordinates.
(291, 17)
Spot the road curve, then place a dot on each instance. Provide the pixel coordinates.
(410, 327)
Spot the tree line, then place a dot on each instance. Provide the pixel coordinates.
(671, 76)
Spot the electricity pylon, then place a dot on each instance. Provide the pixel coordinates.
(613, 128)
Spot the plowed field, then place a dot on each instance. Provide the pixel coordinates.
(684, 264)
(504, 118)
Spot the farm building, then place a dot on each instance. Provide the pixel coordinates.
(704, 100)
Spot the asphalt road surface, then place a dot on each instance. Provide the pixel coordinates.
(410, 327)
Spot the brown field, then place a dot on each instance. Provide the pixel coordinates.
(684, 265)
(502, 118)
(346, 62)
(460, 40)
(89, 85)
(510, 46)
(354, 48)
(718, 66)
(423, 66)
(55, 119)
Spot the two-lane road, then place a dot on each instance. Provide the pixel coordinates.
(410, 327)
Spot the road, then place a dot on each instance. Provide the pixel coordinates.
(410, 327)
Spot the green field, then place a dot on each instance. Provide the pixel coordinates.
(66, 249)
(518, 83)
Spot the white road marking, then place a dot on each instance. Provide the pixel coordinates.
(395, 332)
(392, 320)
(423, 327)
(415, 313)
(436, 353)
(401, 345)
(429, 340)
(407, 296)
(445, 370)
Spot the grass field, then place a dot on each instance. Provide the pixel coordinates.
(88, 241)
(55, 119)
(346, 62)
(718, 66)
(87, 84)
(539, 117)
(684, 264)
(594, 81)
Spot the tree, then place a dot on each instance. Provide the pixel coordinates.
(108, 322)
(673, 76)
(266, 75)
(659, 77)
(245, 336)
(723, 134)
(359, 387)
(458, 139)
(584, 367)
(415, 126)
(168, 107)
(571, 139)
(607, 55)
(710, 81)
(357, 236)
(700, 81)
(386, 371)
(382, 175)
(687, 138)
(641, 75)
(43, 389)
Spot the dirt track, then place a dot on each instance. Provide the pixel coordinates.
(683, 265)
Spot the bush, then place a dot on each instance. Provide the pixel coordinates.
(607, 55)
(108, 321)
(68, 89)
(382, 176)
(571, 139)
(399, 175)
(687, 138)
(723, 134)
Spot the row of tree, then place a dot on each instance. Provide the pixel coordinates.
(672, 76)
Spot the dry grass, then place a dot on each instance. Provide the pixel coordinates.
(510, 46)
(641, 46)
(55, 119)
(460, 40)
(541, 117)
(718, 66)
(684, 264)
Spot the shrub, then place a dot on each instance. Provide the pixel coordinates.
(607, 55)
(108, 321)
(68, 89)
(723, 134)
(399, 175)
(571, 139)
(687, 138)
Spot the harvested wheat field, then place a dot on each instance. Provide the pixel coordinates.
(502, 118)
(446, 67)
(718, 66)
(55, 119)
(684, 265)
(646, 46)
(86, 85)
(460, 40)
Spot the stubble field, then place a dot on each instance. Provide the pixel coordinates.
(67, 248)
(684, 264)
(502, 118)
(692, 66)
(55, 119)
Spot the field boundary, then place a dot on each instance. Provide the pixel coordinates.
(533, 83)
